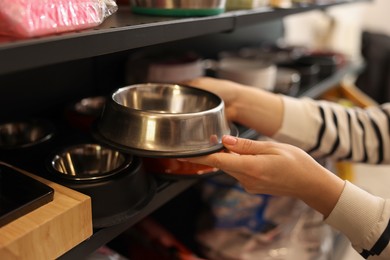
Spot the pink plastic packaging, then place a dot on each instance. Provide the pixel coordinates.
(31, 18)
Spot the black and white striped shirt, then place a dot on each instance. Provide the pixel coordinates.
(326, 129)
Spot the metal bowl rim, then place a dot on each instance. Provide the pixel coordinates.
(218, 107)
(46, 125)
(128, 159)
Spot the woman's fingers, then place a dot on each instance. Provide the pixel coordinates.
(240, 156)
(277, 169)
(222, 160)
(247, 146)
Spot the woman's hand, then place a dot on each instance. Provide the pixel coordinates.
(225, 89)
(277, 169)
(252, 107)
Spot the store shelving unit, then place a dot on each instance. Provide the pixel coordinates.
(126, 31)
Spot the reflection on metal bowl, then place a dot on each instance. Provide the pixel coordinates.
(164, 120)
(116, 182)
(172, 166)
(23, 134)
(25, 142)
(89, 162)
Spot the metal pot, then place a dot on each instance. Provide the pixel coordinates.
(287, 81)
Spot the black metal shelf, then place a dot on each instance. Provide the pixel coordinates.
(168, 190)
(321, 87)
(124, 31)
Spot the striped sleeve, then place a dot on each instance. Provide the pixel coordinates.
(364, 219)
(326, 129)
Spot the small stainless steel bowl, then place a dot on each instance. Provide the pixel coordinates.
(89, 162)
(164, 120)
(23, 134)
(116, 182)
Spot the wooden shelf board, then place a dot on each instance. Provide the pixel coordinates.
(52, 229)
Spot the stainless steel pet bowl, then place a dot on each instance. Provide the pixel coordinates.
(89, 162)
(23, 134)
(164, 120)
(116, 182)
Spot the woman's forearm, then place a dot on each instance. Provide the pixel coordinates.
(259, 110)
(323, 191)
(249, 106)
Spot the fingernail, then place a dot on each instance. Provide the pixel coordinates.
(229, 140)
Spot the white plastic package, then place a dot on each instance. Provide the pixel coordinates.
(32, 18)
